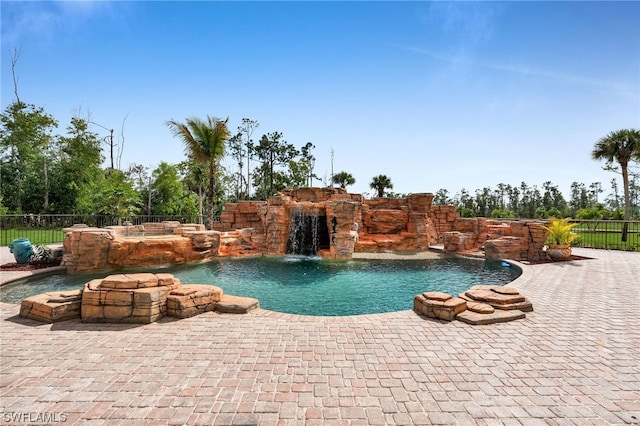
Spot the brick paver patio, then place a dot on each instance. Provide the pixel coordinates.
(574, 360)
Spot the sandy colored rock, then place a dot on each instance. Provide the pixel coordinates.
(497, 316)
(491, 297)
(149, 244)
(499, 297)
(193, 299)
(505, 290)
(436, 295)
(114, 313)
(386, 221)
(142, 303)
(117, 298)
(52, 307)
(497, 288)
(185, 291)
(445, 310)
(480, 308)
(237, 305)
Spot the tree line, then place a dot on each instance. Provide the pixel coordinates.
(45, 173)
(525, 201)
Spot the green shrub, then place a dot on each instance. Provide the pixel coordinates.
(40, 254)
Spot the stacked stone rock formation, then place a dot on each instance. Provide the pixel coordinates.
(53, 306)
(398, 224)
(256, 227)
(499, 297)
(439, 305)
(127, 298)
(497, 240)
(481, 304)
(133, 298)
(193, 299)
(150, 244)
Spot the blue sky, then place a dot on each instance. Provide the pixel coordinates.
(432, 94)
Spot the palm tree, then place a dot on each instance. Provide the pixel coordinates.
(343, 179)
(380, 183)
(621, 146)
(204, 141)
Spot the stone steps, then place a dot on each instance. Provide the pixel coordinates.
(480, 305)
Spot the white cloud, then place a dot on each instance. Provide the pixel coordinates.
(43, 19)
(622, 89)
(463, 24)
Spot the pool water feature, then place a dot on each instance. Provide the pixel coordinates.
(311, 285)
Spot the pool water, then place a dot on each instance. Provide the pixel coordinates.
(312, 286)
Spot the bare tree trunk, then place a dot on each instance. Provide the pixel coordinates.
(14, 154)
(212, 190)
(14, 61)
(200, 215)
(121, 145)
(46, 184)
(149, 197)
(248, 175)
(18, 178)
(627, 201)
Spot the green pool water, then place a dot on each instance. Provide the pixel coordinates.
(312, 286)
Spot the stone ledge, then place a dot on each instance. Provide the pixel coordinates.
(237, 305)
(437, 308)
(500, 297)
(52, 307)
(193, 299)
(497, 316)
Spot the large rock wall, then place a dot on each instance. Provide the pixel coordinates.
(90, 249)
(244, 214)
(497, 240)
(525, 241)
(385, 221)
(341, 217)
(397, 224)
(352, 225)
(443, 219)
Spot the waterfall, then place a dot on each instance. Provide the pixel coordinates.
(304, 232)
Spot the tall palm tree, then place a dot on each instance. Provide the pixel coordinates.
(380, 183)
(343, 179)
(621, 146)
(204, 141)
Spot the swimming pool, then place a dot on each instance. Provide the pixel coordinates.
(312, 286)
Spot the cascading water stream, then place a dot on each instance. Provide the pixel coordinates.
(304, 232)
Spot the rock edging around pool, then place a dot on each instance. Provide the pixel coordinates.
(133, 299)
(480, 305)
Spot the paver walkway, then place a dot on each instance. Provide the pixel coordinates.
(575, 360)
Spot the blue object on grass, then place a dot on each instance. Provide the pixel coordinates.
(21, 249)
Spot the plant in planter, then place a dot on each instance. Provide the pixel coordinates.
(560, 238)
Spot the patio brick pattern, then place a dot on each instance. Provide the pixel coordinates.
(574, 360)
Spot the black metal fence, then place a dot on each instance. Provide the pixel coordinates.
(47, 228)
(608, 234)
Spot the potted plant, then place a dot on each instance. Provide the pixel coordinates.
(560, 238)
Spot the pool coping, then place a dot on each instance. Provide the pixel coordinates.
(525, 276)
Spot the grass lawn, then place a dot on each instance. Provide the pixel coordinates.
(35, 236)
(608, 238)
